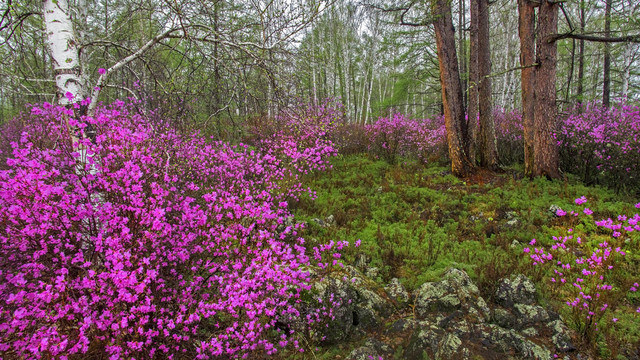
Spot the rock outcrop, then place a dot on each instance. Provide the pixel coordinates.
(448, 319)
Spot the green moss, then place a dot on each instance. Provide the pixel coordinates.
(417, 221)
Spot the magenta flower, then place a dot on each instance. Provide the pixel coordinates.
(581, 200)
(102, 71)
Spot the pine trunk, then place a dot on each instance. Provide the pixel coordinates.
(474, 81)
(526, 30)
(451, 88)
(544, 121)
(487, 147)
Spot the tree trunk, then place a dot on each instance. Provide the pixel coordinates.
(580, 79)
(626, 72)
(463, 53)
(451, 88)
(572, 62)
(63, 48)
(487, 147)
(474, 80)
(526, 31)
(544, 121)
(606, 84)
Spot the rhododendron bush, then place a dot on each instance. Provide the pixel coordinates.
(398, 135)
(602, 145)
(584, 269)
(149, 242)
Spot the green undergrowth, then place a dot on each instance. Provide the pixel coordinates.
(416, 221)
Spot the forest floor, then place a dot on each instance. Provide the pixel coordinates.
(416, 221)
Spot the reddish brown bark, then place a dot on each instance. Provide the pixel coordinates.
(546, 149)
(526, 30)
(451, 88)
(474, 81)
(487, 148)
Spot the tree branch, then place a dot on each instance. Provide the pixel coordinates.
(587, 37)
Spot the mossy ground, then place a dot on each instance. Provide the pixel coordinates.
(416, 221)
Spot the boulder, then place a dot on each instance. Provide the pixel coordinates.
(397, 292)
(561, 338)
(455, 292)
(359, 304)
(517, 290)
(529, 314)
(508, 340)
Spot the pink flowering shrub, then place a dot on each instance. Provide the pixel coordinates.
(582, 271)
(149, 243)
(602, 145)
(509, 135)
(398, 135)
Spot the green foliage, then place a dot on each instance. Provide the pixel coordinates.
(415, 222)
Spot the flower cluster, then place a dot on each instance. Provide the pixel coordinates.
(509, 135)
(397, 135)
(144, 242)
(581, 271)
(602, 144)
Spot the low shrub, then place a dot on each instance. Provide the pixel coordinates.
(399, 136)
(588, 271)
(149, 243)
(602, 145)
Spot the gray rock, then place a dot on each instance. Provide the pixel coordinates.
(504, 318)
(530, 314)
(362, 304)
(424, 342)
(505, 341)
(448, 347)
(330, 220)
(517, 290)
(402, 325)
(362, 261)
(553, 209)
(319, 222)
(397, 291)
(512, 223)
(364, 353)
(372, 272)
(455, 292)
(530, 332)
(561, 338)
(371, 350)
(510, 215)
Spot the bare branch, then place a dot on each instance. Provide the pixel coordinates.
(587, 37)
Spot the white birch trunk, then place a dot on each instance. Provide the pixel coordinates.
(63, 48)
(313, 68)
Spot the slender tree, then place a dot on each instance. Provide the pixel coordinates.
(474, 79)
(606, 83)
(545, 117)
(526, 30)
(451, 88)
(486, 138)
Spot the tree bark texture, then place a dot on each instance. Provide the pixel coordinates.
(580, 79)
(526, 31)
(487, 147)
(451, 88)
(544, 121)
(474, 80)
(63, 47)
(606, 83)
